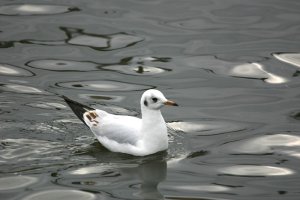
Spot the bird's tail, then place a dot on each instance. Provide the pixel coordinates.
(78, 108)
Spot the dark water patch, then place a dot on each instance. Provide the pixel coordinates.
(197, 154)
(63, 65)
(6, 44)
(34, 9)
(107, 86)
(10, 70)
(296, 115)
(296, 74)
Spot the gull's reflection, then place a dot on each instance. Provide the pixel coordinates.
(133, 177)
(151, 174)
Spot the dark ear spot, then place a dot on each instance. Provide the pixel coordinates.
(145, 103)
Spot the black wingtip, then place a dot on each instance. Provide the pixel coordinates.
(78, 108)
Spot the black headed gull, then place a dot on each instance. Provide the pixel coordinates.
(127, 134)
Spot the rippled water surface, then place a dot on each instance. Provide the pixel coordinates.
(232, 66)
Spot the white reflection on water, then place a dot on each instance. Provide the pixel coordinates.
(32, 9)
(266, 144)
(10, 70)
(207, 127)
(273, 79)
(188, 126)
(291, 58)
(91, 169)
(205, 188)
(16, 182)
(61, 194)
(254, 170)
(22, 88)
(251, 70)
(256, 70)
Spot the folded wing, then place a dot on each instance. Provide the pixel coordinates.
(117, 128)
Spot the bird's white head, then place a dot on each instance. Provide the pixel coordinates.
(154, 100)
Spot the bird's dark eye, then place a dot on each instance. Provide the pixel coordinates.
(154, 99)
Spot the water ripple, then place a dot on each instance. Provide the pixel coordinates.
(140, 65)
(103, 86)
(62, 65)
(136, 69)
(104, 42)
(61, 194)
(106, 98)
(25, 150)
(16, 182)
(47, 105)
(100, 42)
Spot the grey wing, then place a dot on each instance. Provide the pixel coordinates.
(118, 128)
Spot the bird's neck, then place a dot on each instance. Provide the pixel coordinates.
(154, 130)
(150, 116)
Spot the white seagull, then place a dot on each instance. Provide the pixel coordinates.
(127, 134)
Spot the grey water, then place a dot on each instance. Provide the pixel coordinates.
(232, 66)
